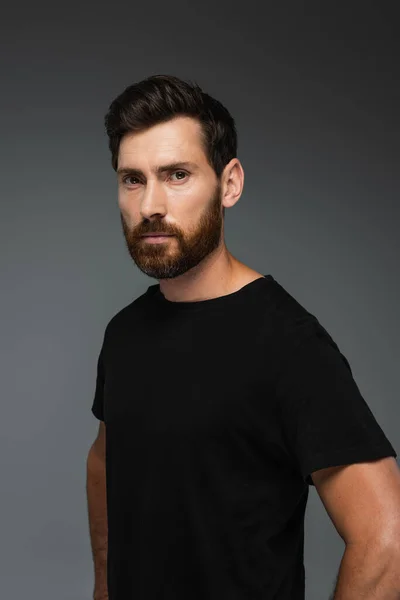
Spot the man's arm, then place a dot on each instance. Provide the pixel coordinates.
(97, 511)
(363, 502)
(369, 571)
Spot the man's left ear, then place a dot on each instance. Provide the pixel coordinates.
(233, 181)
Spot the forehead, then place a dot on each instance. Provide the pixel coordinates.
(176, 140)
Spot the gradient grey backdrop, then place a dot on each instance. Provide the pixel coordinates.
(316, 99)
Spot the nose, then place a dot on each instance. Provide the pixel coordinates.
(153, 200)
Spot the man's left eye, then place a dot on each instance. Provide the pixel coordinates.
(179, 173)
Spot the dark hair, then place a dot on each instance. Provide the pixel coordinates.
(160, 98)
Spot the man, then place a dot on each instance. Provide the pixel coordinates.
(220, 398)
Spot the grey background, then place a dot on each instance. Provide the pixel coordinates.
(315, 96)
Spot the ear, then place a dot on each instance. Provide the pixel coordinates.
(232, 183)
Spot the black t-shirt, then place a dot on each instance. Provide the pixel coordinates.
(216, 413)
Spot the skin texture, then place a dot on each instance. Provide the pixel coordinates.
(363, 502)
(97, 511)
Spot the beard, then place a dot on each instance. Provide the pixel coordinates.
(180, 253)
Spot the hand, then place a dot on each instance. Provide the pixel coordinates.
(103, 595)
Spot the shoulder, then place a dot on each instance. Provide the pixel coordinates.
(289, 318)
(295, 327)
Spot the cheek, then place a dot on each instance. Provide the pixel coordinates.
(129, 206)
(184, 204)
(189, 199)
(185, 212)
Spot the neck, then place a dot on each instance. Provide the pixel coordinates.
(219, 274)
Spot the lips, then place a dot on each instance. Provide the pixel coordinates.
(156, 235)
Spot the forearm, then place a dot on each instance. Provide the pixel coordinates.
(368, 572)
(97, 512)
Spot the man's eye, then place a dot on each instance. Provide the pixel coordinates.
(180, 173)
(125, 179)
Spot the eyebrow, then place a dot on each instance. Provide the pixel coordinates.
(160, 169)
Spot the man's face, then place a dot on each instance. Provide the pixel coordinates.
(183, 201)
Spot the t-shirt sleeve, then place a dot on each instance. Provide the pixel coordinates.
(98, 401)
(325, 420)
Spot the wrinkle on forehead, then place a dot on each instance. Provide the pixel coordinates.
(177, 140)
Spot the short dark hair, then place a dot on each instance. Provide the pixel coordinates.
(160, 98)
